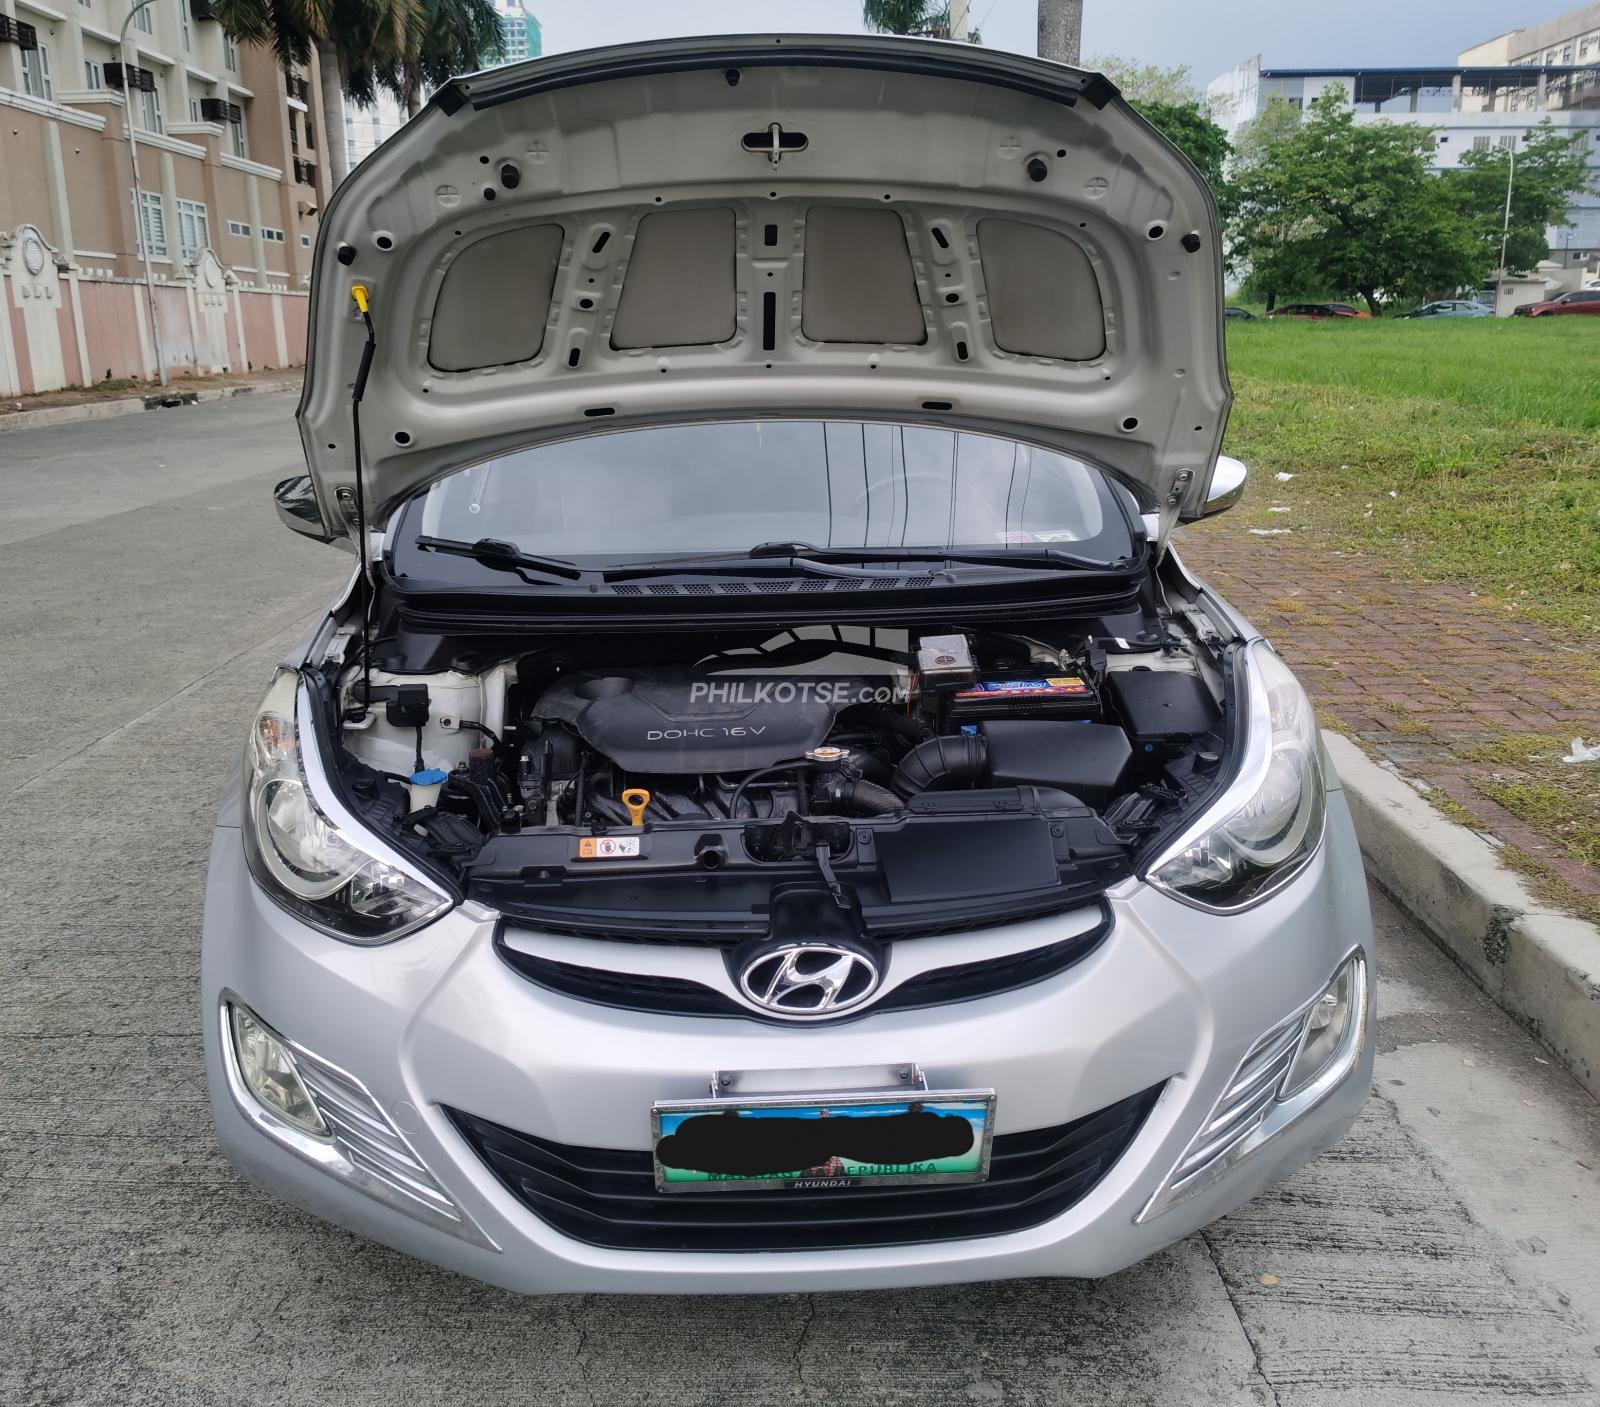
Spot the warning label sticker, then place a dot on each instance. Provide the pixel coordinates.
(608, 847)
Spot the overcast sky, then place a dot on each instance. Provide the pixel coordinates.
(1207, 35)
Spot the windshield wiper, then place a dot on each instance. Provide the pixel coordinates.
(1036, 556)
(736, 564)
(803, 556)
(502, 556)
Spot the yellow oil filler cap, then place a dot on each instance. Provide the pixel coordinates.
(636, 799)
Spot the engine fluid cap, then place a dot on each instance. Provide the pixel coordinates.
(636, 799)
(827, 753)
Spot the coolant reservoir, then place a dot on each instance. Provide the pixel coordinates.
(452, 696)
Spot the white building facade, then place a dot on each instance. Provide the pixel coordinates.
(1471, 107)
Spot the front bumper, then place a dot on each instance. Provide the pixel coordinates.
(1173, 996)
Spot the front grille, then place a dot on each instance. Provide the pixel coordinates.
(678, 996)
(608, 1197)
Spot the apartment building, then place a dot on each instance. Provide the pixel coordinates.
(524, 36)
(231, 183)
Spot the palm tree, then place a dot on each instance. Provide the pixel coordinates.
(443, 38)
(907, 17)
(1061, 30)
(355, 42)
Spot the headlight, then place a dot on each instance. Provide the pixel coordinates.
(1269, 823)
(307, 862)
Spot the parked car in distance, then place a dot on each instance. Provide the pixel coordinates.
(771, 810)
(1451, 308)
(1238, 315)
(1318, 311)
(1585, 300)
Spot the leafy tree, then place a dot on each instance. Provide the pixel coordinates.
(1169, 101)
(1188, 128)
(1276, 120)
(1148, 83)
(1350, 209)
(1551, 169)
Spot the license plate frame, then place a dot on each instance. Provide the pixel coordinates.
(670, 1114)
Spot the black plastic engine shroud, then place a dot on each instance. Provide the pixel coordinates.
(662, 721)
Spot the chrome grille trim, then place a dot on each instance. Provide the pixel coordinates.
(363, 1149)
(1252, 1107)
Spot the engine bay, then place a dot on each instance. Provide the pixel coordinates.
(899, 779)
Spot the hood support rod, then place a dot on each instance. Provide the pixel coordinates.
(359, 293)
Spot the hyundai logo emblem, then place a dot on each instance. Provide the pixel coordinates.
(805, 980)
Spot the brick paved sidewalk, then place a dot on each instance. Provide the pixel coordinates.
(1452, 688)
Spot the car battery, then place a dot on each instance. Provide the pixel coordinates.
(1026, 696)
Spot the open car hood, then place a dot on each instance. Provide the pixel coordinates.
(773, 225)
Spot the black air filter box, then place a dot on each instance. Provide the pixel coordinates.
(1160, 705)
(1090, 760)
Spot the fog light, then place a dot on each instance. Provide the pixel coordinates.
(269, 1073)
(1326, 1024)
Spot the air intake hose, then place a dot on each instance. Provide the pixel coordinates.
(942, 764)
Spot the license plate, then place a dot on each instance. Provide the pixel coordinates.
(814, 1143)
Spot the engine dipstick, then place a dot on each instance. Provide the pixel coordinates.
(636, 799)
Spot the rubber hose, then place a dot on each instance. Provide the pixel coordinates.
(942, 764)
(886, 720)
(872, 799)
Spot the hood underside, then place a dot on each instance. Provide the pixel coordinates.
(777, 225)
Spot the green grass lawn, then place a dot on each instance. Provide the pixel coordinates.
(1459, 450)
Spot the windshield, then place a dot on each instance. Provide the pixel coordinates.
(728, 487)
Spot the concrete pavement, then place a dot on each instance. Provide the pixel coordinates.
(1448, 1252)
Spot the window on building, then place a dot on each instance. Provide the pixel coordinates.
(230, 54)
(305, 241)
(1480, 144)
(194, 229)
(183, 24)
(271, 236)
(150, 110)
(36, 73)
(142, 21)
(311, 136)
(94, 77)
(236, 139)
(1506, 143)
(153, 224)
(238, 227)
(294, 135)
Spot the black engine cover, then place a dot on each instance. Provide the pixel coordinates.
(660, 721)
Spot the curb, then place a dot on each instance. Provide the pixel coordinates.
(132, 405)
(1541, 965)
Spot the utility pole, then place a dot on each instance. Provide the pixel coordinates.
(1061, 30)
(1505, 224)
(123, 48)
